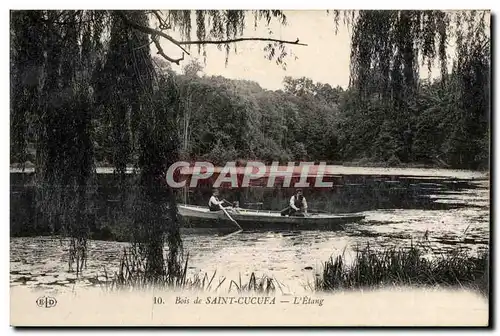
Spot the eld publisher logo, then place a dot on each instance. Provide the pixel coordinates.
(46, 302)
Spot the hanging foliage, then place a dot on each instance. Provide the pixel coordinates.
(85, 78)
(388, 50)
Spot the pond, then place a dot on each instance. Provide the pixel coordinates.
(442, 209)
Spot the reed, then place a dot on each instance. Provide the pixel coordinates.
(369, 269)
(404, 267)
(131, 275)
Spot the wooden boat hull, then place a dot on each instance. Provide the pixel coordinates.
(259, 219)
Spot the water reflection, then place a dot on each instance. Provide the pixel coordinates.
(400, 210)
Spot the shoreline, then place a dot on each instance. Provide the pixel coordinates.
(342, 169)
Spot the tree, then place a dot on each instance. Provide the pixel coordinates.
(73, 70)
(387, 50)
(192, 68)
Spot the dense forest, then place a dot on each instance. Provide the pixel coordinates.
(86, 91)
(220, 119)
(223, 120)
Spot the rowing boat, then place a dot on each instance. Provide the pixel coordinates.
(264, 219)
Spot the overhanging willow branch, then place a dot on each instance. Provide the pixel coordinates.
(162, 53)
(155, 32)
(150, 31)
(242, 39)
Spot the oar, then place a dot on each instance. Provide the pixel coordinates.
(230, 234)
(232, 220)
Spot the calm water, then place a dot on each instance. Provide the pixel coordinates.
(401, 206)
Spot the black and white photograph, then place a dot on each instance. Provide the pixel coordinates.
(319, 168)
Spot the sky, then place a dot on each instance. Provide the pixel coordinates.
(325, 59)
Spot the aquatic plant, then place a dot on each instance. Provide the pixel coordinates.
(132, 275)
(405, 267)
(370, 269)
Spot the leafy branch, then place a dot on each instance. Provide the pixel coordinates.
(156, 33)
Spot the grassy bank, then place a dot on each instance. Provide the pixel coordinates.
(370, 269)
(405, 267)
(132, 275)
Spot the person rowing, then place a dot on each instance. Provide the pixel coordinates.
(214, 204)
(297, 205)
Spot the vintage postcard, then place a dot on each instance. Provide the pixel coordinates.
(250, 168)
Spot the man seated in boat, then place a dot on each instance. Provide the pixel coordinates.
(297, 206)
(214, 204)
